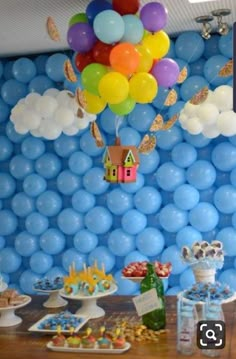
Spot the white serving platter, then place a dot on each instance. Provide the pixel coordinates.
(7, 314)
(94, 350)
(139, 279)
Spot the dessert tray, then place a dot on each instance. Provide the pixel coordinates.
(139, 279)
(96, 349)
(54, 300)
(7, 314)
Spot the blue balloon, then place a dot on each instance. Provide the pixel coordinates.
(27, 280)
(7, 71)
(226, 44)
(133, 29)
(73, 256)
(212, 67)
(85, 241)
(197, 141)
(224, 156)
(166, 140)
(135, 256)
(8, 185)
(189, 46)
(79, 163)
(150, 241)
(24, 69)
(204, 217)
(187, 236)
(197, 67)
(210, 235)
(207, 195)
(55, 67)
(10, 260)
(4, 111)
(83, 201)
(186, 279)
(68, 182)
(48, 165)
(34, 185)
(225, 199)
(191, 86)
(26, 244)
(12, 91)
(72, 86)
(129, 137)
(108, 121)
(172, 254)
(102, 24)
(22, 205)
(141, 117)
(52, 241)
(2, 242)
(40, 84)
(183, 154)
(169, 176)
(147, 200)
(212, 46)
(135, 186)
(174, 290)
(103, 256)
(201, 174)
(88, 145)
(121, 243)
(12, 134)
(8, 222)
(125, 286)
(119, 202)
(133, 221)
(65, 146)
(186, 197)
(32, 148)
(36, 223)
(98, 220)
(69, 221)
(40, 262)
(149, 162)
(172, 218)
(175, 109)
(225, 221)
(95, 7)
(1, 69)
(161, 97)
(229, 277)
(20, 167)
(40, 63)
(55, 272)
(93, 181)
(49, 203)
(227, 236)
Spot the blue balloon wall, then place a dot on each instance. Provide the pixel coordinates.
(55, 207)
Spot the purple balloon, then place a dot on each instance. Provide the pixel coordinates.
(153, 16)
(166, 72)
(81, 37)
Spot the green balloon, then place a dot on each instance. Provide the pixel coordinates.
(91, 76)
(124, 107)
(80, 17)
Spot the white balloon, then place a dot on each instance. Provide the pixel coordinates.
(70, 131)
(31, 119)
(64, 98)
(51, 92)
(49, 129)
(210, 97)
(36, 133)
(183, 117)
(31, 99)
(190, 110)
(226, 123)
(19, 128)
(17, 112)
(194, 126)
(63, 116)
(81, 123)
(223, 98)
(211, 131)
(207, 113)
(91, 117)
(46, 106)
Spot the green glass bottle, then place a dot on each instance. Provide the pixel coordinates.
(156, 319)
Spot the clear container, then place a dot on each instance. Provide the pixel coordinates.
(186, 328)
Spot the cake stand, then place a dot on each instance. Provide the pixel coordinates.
(3, 287)
(139, 279)
(54, 300)
(7, 314)
(221, 301)
(89, 303)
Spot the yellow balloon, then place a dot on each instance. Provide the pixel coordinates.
(113, 87)
(95, 104)
(143, 87)
(146, 60)
(158, 44)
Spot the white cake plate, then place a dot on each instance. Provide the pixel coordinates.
(224, 301)
(89, 303)
(7, 314)
(54, 300)
(139, 279)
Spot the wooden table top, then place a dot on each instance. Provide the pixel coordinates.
(18, 343)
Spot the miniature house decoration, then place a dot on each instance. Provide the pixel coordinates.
(120, 163)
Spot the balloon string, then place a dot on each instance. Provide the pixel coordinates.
(118, 120)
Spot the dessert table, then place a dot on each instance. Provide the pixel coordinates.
(17, 342)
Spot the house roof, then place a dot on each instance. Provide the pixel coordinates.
(118, 154)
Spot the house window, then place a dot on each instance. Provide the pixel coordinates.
(108, 171)
(128, 173)
(128, 159)
(113, 172)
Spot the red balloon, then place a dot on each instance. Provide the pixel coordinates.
(124, 7)
(83, 60)
(101, 52)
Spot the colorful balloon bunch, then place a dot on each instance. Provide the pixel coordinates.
(120, 55)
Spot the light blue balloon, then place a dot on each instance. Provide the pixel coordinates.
(34, 185)
(40, 84)
(7, 70)
(134, 256)
(197, 141)
(24, 69)
(121, 243)
(4, 111)
(104, 22)
(98, 220)
(2, 242)
(103, 256)
(73, 256)
(234, 220)
(55, 67)
(212, 67)
(201, 174)
(224, 156)
(135, 186)
(12, 134)
(133, 221)
(175, 109)
(83, 201)
(40, 262)
(186, 279)
(229, 277)
(22, 205)
(204, 217)
(187, 236)
(55, 272)
(141, 117)
(52, 241)
(225, 199)
(150, 241)
(149, 162)
(186, 197)
(129, 137)
(7, 185)
(20, 167)
(119, 202)
(172, 218)
(72, 86)
(12, 91)
(125, 286)
(227, 236)
(85, 241)
(49, 203)
(48, 165)
(191, 86)
(230, 82)
(212, 46)
(65, 146)
(226, 44)
(183, 154)
(189, 46)
(166, 140)
(93, 181)
(32, 148)
(27, 280)
(169, 176)
(174, 290)
(197, 67)
(79, 163)
(68, 182)
(88, 145)
(172, 254)
(8, 222)
(26, 244)
(10, 260)
(160, 98)
(211, 235)
(183, 64)
(147, 200)
(223, 178)
(69, 221)
(36, 223)
(108, 121)
(171, 52)
(133, 29)
(174, 279)
(225, 221)
(40, 63)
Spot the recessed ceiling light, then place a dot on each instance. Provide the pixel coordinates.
(197, 1)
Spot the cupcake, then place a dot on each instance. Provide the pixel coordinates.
(119, 340)
(59, 339)
(73, 341)
(103, 342)
(89, 340)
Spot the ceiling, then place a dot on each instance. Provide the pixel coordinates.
(23, 29)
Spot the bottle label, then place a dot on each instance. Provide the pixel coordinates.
(147, 302)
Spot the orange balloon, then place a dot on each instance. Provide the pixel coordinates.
(124, 58)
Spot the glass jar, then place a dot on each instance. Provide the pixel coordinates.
(186, 328)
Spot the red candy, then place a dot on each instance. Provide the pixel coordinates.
(139, 269)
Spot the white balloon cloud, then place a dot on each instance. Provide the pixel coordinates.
(213, 117)
(49, 115)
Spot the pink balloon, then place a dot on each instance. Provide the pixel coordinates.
(166, 72)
